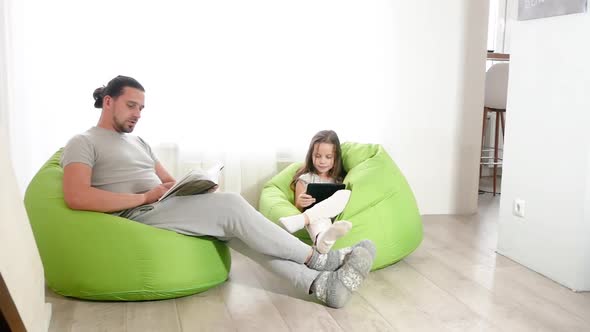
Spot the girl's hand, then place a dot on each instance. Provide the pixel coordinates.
(304, 200)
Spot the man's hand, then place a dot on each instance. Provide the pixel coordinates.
(304, 200)
(155, 194)
(169, 184)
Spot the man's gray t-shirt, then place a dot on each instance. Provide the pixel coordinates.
(120, 162)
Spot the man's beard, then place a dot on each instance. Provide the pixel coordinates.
(122, 128)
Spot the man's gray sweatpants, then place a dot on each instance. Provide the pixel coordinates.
(228, 217)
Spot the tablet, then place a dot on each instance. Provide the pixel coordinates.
(321, 191)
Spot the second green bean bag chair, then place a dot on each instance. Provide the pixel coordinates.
(98, 256)
(381, 208)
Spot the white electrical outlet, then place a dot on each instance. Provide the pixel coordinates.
(518, 208)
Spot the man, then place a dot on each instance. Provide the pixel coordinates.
(108, 170)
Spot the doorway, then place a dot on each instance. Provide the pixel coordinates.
(490, 184)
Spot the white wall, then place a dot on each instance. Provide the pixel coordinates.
(546, 157)
(411, 72)
(20, 264)
(437, 100)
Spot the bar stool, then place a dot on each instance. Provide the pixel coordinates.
(496, 88)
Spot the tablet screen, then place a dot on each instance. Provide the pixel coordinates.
(321, 191)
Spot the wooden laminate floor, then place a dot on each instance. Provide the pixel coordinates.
(453, 282)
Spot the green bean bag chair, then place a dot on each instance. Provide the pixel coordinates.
(381, 208)
(97, 256)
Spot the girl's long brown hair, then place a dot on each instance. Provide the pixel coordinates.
(337, 172)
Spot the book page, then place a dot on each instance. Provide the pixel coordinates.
(195, 187)
(195, 182)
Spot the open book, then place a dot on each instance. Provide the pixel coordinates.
(195, 182)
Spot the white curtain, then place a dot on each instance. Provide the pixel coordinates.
(247, 82)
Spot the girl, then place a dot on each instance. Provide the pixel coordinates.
(323, 164)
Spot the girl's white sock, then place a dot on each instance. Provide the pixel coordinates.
(326, 239)
(293, 223)
(318, 226)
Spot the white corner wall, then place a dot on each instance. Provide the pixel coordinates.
(20, 263)
(546, 157)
